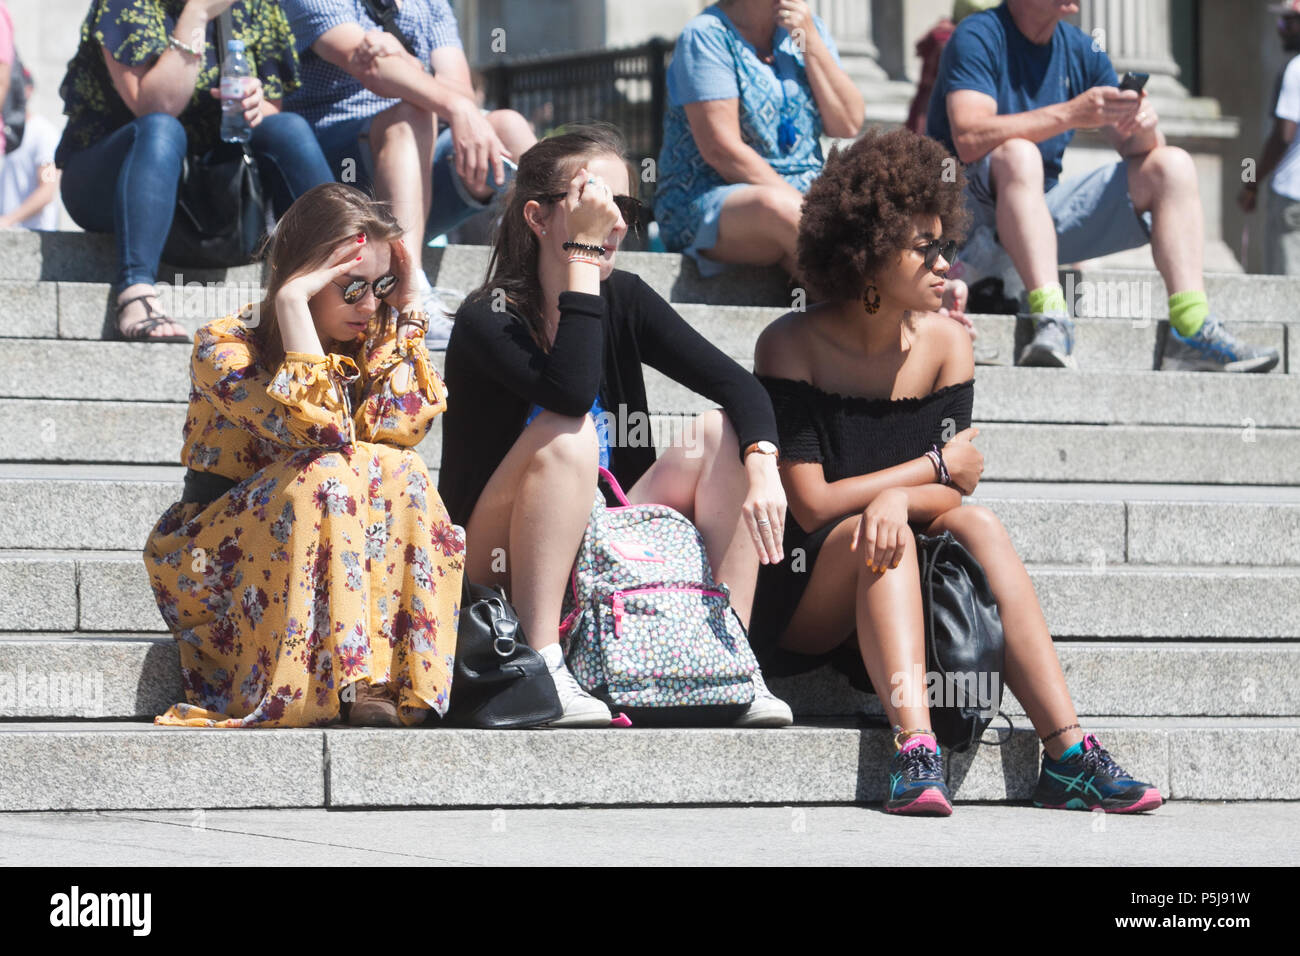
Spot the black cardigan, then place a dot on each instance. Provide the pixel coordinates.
(495, 373)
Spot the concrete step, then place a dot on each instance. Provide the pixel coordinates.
(113, 507)
(136, 676)
(92, 371)
(93, 591)
(82, 311)
(52, 430)
(90, 258)
(80, 766)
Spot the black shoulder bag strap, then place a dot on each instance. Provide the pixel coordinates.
(384, 12)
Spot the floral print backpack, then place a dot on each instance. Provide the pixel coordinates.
(646, 628)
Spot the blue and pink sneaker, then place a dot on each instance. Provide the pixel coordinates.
(1088, 778)
(916, 783)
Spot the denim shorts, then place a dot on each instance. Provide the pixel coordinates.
(1094, 214)
(452, 202)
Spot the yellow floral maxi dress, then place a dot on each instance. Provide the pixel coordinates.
(333, 559)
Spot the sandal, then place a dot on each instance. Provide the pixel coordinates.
(139, 332)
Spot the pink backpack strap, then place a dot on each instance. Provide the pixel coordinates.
(613, 483)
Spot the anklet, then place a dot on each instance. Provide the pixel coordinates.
(1057, 733)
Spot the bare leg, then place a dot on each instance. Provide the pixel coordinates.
(844, 593)
(1025, 227)
(1163, 183)
(759, 225)
(401, 144)
(529, 521)
(1032, 670)
(704, 479)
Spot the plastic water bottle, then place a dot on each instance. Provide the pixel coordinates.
(234, 82)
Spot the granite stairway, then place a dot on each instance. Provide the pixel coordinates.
(1158, 514)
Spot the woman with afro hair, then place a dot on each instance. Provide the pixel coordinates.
(873, 395)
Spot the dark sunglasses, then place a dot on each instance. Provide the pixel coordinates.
(355, 290)
(630, 208)
(936, 248)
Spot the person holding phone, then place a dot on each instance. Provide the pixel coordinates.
(1014, 84)
(387, 89)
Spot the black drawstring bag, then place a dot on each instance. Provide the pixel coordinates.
(963, 641)
(220, 216)
(499, 681)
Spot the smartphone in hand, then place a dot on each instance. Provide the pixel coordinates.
(1134, 81)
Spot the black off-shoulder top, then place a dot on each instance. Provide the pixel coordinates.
(849, 436)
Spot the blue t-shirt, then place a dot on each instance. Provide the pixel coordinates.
(989, 54)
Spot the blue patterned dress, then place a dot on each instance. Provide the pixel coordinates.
(712, 61)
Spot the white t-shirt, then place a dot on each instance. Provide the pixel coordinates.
(1286, 178)
(21, 172)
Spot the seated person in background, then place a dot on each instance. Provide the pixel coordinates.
(1014, 84)
(376, 103)
(873, 403)
(747, 105)
(532, 380)
(139, 95)
(29, 180)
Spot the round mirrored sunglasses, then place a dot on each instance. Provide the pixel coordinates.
(355, 290)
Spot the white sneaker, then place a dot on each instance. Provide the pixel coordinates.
(766, 710)
(441, 305)
(580, 708)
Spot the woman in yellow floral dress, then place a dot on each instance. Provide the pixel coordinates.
(310, 563)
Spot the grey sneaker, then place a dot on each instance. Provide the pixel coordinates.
(766, 709)
(1052, 345)
(1214, 349)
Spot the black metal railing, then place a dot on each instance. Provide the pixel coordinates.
(624, 87)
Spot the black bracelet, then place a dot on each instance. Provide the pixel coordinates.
(584, 247)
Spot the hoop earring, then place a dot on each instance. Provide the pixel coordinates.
(871, 300)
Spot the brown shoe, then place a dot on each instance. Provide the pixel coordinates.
(373, 706)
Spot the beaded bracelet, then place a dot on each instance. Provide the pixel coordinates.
(940, 467)
(584, 247)
(194, 51)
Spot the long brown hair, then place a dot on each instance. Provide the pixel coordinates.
(319, 221)
(544, 170)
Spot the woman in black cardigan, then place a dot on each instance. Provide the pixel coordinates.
(553, 338)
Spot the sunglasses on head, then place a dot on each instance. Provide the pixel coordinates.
(936, 248)
(629, 207)
(355, 290)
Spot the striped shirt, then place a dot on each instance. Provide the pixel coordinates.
(329, 95)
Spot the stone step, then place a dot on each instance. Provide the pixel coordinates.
(94, 591)
(88, 766)
(92, 371)
(136, 676)
(90, 258)
(114, 507)
(81, 311)
(52, 430)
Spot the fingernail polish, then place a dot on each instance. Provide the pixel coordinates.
(361, 237)
(357, 259)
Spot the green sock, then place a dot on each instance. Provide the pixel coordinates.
(1049, 300)
(1187, 312)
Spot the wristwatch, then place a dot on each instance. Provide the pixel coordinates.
(762, 448)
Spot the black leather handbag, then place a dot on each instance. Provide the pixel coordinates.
(220, 216)
(499, 682)
(963, 641)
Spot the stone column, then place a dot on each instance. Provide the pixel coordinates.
(849, 22)
(1136, 37)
